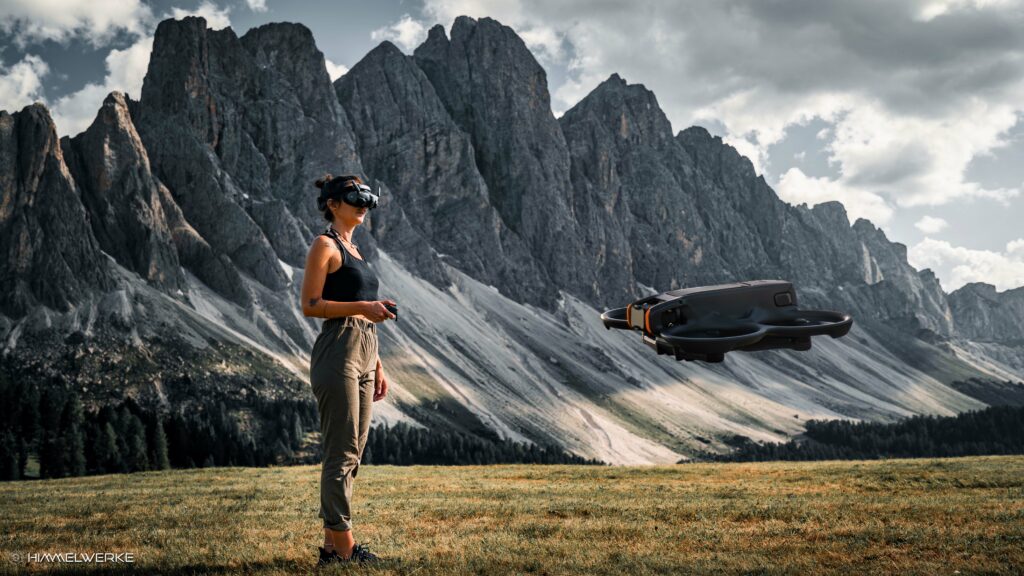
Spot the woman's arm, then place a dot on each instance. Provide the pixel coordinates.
(380, 382)
(317, 262)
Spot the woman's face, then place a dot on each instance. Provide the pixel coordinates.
(346, 214)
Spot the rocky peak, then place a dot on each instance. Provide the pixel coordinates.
(51, 256)
(632, 111)
(487, 54)
(713, 156)
(181, 69)
(981, 313)
(238, 130)
(408, 141)
(112, 169)
(402, 92)
(288, 49)
(495, 91)
(833, 213)
(982, 290)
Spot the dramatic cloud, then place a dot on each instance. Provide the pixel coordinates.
(407, 33)
(216, 17)
(1015, 249)
(257, 5)
(1003, 270)
(545, 41)
(931, 224)
(914, 89)
(22, 84)
(126, 70)
(95, 21)
(335, 71)
(796, 187)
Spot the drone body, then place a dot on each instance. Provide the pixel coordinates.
(706, 322)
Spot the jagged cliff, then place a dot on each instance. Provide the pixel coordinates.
(158, 254)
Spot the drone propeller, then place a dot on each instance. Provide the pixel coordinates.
(809, 323)
(705, 322)
(615, 318)
(711, 338)
(719, 336)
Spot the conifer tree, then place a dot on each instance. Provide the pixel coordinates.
(136, 458)
(160, 458)
(72, 441)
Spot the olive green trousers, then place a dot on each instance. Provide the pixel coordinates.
(341, 371)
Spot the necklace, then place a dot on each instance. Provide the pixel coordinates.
(343, 239)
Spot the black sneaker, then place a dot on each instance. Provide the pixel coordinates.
(361, 553)
(328, 557)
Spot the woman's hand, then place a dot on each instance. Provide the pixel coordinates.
(376, 312)
(380, 383)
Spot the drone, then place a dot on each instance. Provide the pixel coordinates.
(706, 322)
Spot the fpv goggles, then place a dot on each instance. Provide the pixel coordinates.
(349, 192)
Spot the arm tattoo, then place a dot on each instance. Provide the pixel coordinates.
(313, 302)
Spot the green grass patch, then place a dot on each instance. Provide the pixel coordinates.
(912, 516)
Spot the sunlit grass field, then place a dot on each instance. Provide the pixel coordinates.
(914, 516)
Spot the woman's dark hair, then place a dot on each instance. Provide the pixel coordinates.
(334, 181)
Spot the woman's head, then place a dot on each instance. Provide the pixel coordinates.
(335, 210)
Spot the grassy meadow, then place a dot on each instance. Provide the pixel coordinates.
(912, 516)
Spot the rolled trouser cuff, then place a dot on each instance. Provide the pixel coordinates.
(339, 527)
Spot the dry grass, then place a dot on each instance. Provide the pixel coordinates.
(928, 516)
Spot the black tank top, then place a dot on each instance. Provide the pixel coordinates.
(354, 281)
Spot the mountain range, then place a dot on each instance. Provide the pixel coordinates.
(158, 255)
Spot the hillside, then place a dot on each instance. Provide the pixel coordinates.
(927, 516)
(158, 255)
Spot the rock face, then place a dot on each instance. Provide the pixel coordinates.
(495, 90)
(172, 233)
(630, 177)
(982, 314)
(689, 210)
(125, 202)
(238, 138)
(436, 199)
(51, 257)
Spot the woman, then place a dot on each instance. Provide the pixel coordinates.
(345, 370)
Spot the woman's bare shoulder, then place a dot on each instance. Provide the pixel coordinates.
(321, 241)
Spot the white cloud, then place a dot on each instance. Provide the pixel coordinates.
(931, 224)
(796, 187)
(96, 21)
(257, 5)
(335, 71)
(216, 17)
(407, 33)
(544, 42)
(1003, 270)
(507, 12)
(1015, 248)
(909, 99)
(934, 8)
(126, 69)
(920, 161)
(21, 84)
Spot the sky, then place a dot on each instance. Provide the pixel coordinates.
(909, 112)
